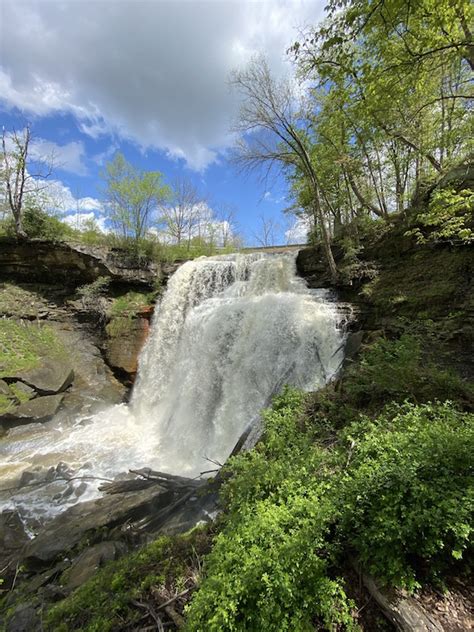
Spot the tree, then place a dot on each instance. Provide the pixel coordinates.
(181, 215)
(389, 105)
(226, 221)
(132, 197)
(274, 134)
(21, 176)
(268, 228)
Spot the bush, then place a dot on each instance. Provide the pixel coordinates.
(39, 224)
(408, 494)
(270, 565)
(110, 597)
(450, 215)
(397, 370)
(395, 491)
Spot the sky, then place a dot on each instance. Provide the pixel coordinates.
(149, 79)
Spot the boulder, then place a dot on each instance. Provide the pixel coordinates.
(25, 618)
(66, 531)
(53, 376)
(13, 538)
(90, 560)
(36, 410)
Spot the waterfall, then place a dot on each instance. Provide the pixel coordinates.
(230, 331)
(227, 334)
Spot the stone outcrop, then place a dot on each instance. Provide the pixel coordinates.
(73, 265)
(53, 375)
(36, 410)
(122, 350)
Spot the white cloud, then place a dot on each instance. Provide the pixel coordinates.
(69, 157)
(298, 232)
(63, 200)
(79, 221)
(153, 72)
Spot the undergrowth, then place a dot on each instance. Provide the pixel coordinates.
(165, 567)
(394, 491)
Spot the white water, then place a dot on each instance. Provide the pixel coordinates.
(229, 332)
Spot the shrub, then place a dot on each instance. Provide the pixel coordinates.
(39, 224)
(110, 597)
(270, 565)
(408, 494)
(397, 370)
(450, 215)
(395, 491)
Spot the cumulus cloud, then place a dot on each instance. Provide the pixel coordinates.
(298, 232)
(152, 72)
(61, 199)
(81, 221)
(69, 157)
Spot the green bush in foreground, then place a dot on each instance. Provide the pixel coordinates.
(408, 494)
(270, 565)
(396, 370)
(395, 491)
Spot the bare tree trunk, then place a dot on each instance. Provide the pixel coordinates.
(324, 234)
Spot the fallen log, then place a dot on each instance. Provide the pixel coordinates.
(147, 478)
(403, 610)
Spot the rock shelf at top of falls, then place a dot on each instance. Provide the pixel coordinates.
(228, 333)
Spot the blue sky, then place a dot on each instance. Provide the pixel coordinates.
(149, 79)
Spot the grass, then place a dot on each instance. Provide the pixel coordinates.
(160, 570)
(23, 344)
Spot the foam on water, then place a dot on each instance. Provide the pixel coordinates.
(228, 333)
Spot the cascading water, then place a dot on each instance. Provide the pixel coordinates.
(229, 332)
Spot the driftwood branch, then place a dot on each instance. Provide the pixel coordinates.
(148, 478)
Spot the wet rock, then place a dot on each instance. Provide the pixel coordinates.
(41, 580)
(53, 376)
(90, 560)
(123, 348)
(64, 532)
(13, 538)
(25, 618)
(36, 410)
(353, 344)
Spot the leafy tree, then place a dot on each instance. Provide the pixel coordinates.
(133, 197)
(390, 101)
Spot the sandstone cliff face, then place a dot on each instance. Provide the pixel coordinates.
(47, 262)
(42, 280)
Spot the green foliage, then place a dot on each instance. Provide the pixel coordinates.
(450, 216)
(39, 224)
(397, 370)
(94, 290)
(132, 197)
(408, 495)
(270, 565)
(131, 304)
(23, 344)
(106, 601)
(396, 491)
